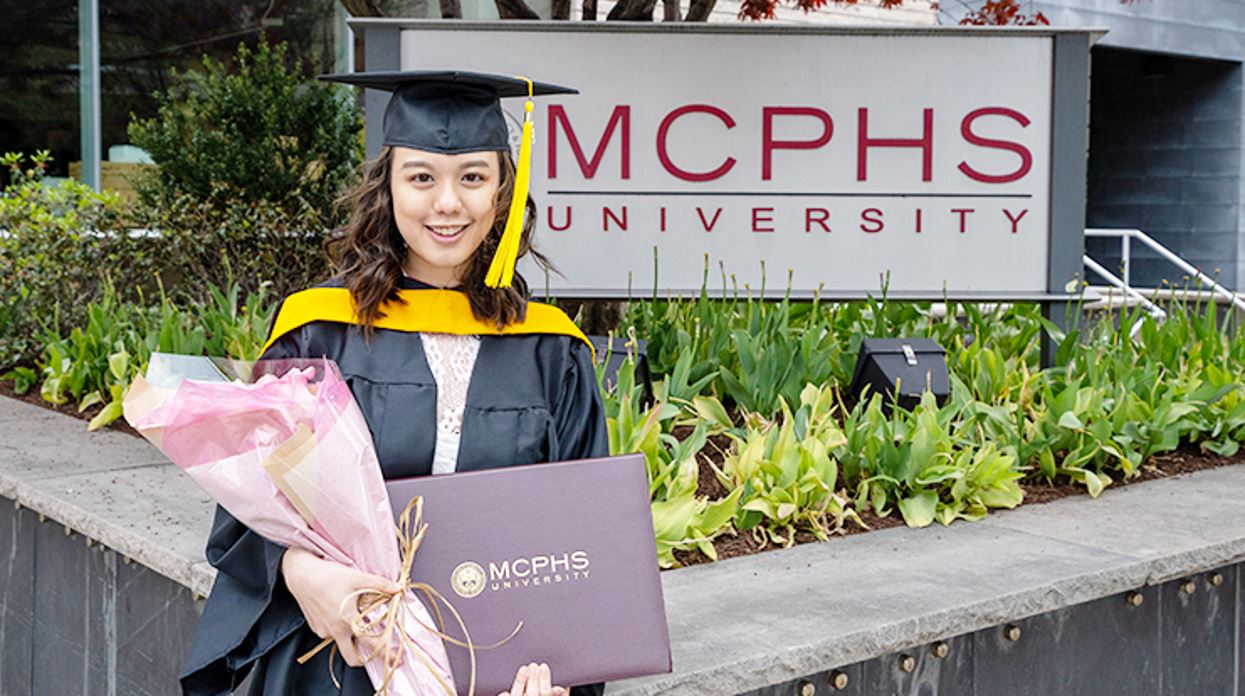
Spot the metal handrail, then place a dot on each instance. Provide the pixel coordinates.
(1127, 235)
(1154, 310)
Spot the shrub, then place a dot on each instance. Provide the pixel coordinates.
(254, 131)
(252, 244)
(250, 158)
(58, 246)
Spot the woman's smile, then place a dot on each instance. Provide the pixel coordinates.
(447, 234)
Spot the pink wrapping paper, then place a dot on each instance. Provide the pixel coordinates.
(291, 457)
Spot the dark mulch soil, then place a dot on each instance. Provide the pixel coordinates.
(32, 397)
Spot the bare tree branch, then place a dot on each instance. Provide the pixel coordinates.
(361, 8)
(515, 9)
(672, 11)
(561, 9)
(451, 9)
(633, 11)
(589, 11)
(698, 10)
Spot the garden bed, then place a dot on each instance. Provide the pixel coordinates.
(1186, 460)
(732, 544)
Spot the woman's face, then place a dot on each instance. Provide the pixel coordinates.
(444, 207)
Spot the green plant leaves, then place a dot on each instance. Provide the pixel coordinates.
(918, 508)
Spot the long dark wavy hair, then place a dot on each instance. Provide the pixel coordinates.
(368, 253)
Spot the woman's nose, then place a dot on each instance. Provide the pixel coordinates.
(448, 202)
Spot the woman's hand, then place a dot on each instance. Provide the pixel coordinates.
(535, 680)
(320, 586)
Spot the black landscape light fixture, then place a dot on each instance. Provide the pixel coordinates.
(613, 350)
(915, 365)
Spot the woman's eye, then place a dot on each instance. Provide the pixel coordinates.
(473, 177)
(422, 178)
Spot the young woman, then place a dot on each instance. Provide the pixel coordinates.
(452, 367)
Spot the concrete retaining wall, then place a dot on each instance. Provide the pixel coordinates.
(75, 619)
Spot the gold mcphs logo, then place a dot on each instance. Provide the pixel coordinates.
(469, 579)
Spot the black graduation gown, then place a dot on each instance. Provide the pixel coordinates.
(532, 398)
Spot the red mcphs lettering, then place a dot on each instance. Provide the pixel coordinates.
(708, 224)
(864, 142)
(768, 144)
(664, 129)
(554, 226)
(619, 118)
(817, 216)
(607, 215)
(762, 216)
(963, 213)
(1015, 219)
(1026, 157)
(871, 221)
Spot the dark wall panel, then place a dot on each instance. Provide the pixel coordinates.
(1174, 643)
(96, 625)
(17, 606)
(1198, 632)
(1165, 157)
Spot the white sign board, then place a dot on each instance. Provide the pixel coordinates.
(843, 158)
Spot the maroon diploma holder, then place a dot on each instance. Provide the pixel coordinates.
(566, 549)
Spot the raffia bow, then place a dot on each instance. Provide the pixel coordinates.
(389, 629)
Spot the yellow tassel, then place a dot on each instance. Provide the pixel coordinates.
(501, 270)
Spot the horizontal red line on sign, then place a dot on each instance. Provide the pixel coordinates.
(803, 194)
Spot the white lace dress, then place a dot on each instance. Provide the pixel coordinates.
(451, 359)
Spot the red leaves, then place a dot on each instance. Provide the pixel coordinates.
(1003, 12)
(758, 10)
(991, 13)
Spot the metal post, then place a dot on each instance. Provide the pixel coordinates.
(382, 50)
(1069, 154)
(88, 90)
(344, 38)
(1126, 256)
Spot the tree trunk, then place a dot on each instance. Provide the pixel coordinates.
(672, 11)
(361, 8)
(561, 9)
(451, 9)
(633, 11)
(515, 9)
(698, 10)
(589, 11)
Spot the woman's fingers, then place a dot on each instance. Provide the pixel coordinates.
(533, 680)
(520, 682)
(346, 646)
(367, 581)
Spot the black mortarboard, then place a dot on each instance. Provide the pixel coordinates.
(452, 112)
(446, 111)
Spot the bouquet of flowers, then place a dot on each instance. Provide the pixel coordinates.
(284, 448)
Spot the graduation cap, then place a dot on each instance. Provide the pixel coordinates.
(452, 112)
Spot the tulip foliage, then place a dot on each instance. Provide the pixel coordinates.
(802, 455)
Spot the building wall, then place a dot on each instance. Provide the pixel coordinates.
(1165, 157)
(1188, 126)
(1165, 144)
(1201, 28)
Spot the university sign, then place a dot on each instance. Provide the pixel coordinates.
(845, 158)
